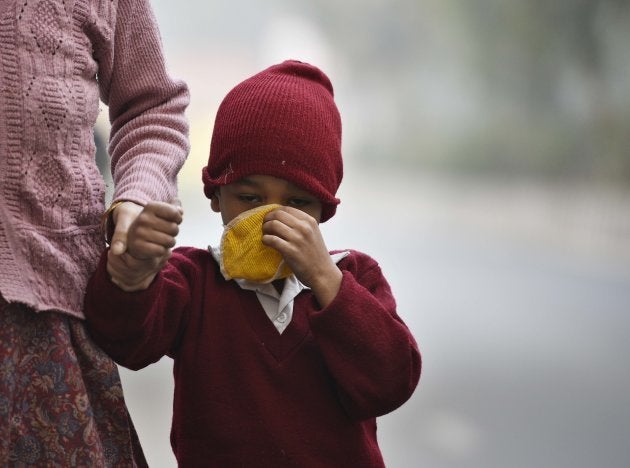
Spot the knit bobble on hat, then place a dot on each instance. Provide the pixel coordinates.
(281, 122)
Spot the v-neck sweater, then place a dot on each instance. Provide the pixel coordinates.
(246, 395)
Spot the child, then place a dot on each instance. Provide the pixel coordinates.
(61, 400)
(282, 366)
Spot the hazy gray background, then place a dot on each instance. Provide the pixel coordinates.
(488, 170)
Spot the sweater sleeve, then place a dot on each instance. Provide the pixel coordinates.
(370, 352)
(149, 130)
(138, 328)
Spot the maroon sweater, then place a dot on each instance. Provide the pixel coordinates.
(246, 395)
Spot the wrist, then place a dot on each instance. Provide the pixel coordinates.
(135, 286)
(131, 279)
(325, 288)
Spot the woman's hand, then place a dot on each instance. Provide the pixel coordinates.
(123, 216)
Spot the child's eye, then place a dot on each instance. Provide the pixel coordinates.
(299, 202)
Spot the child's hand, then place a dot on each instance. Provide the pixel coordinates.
(296, 235)
(149, 241)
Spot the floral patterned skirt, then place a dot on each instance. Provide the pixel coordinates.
(61, 400)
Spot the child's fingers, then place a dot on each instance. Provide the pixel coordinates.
(148, 250)
(290, 216)
(166, 211)
(154, 245)
(119, 271)
(130, 273)
(156, 232)
(278, 229)
(289, 224)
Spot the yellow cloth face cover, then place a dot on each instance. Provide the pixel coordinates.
(243, 254)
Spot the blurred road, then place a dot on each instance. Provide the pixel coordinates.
(519, 296)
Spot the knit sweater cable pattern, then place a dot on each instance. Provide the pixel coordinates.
(51, 193)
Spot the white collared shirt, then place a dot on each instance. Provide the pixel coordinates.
(277, 306)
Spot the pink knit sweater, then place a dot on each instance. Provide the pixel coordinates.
(56, 58)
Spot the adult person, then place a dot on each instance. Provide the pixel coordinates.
(61, 401)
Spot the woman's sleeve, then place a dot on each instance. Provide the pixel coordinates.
(369, 351)
(149, 130)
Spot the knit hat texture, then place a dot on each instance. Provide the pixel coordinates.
(281, 122)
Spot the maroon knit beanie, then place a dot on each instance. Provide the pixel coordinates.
(281, 122)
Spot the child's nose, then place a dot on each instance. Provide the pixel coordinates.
(276, 201)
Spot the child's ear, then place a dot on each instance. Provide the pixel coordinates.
(215, 203)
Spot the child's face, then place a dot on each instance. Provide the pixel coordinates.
(257, 190)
